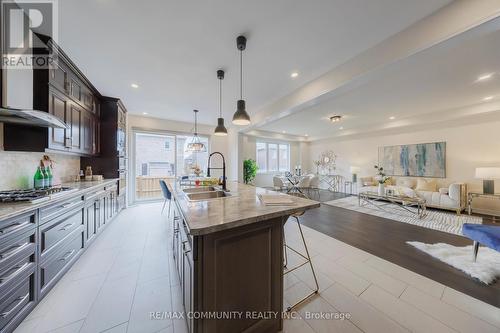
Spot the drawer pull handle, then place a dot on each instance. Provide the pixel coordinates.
(67, 255)
(14, 270)
(13, 249)
(67, 205)
(14, 227)
(66, 227)
(18, 301)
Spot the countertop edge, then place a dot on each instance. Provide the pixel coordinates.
(201, 231)
(28, 207)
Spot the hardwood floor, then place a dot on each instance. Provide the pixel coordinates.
(387, 239)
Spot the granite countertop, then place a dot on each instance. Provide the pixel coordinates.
(241, 208)
(8, 210)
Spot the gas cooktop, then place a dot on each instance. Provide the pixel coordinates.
(33, 195)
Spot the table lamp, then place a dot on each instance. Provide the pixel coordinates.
(488, 175)
(354, 172)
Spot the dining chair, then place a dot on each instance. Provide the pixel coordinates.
(314, 185)
(278, 183)
(304, 184)
(167, 195)
(306, 256)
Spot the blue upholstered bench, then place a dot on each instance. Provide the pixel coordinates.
(487, 235)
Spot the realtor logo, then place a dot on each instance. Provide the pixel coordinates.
(26, 28)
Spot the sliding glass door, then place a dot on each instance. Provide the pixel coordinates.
(154, 161)
(161, 156)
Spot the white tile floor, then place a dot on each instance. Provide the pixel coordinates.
(128, 272)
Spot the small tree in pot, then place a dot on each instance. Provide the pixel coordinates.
(249, 170)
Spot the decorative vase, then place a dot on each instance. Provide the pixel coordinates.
(381, 189)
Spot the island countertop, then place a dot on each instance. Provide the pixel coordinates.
(11, 209)
(241, 208)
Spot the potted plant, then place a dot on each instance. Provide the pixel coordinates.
(249, 170)
(382, 178)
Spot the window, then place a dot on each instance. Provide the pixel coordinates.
(261, 156)
(273, 157)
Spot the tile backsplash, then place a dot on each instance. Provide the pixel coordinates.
(18, 168)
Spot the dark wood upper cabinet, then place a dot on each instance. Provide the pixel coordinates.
(65, 92)
(58, 106)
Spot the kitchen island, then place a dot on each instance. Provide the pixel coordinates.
(229, 254)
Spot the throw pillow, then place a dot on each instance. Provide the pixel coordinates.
(426, 185)
(406, 182)
(367, 181)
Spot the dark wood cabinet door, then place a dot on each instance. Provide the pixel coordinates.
(59, 77)
(88, 132)
(76, 89)
(91, 221)
(76, 127)
(58, 106)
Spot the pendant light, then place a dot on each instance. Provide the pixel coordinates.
(241, 116)
(220, 130)
(196, 146)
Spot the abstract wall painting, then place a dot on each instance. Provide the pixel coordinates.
(416, 160)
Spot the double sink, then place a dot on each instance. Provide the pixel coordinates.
(205, 193)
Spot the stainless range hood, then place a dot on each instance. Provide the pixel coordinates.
(30, 117)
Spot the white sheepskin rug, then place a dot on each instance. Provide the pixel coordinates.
(486, 269)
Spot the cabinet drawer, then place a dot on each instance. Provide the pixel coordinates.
(13, 272)
(56, 230)
(52, 269)
(20, 299)
(16, 248)
(60, 208)
(16, 226)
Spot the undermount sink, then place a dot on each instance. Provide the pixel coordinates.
(200, 189)
(200, 196)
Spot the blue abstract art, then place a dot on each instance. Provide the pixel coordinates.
(417, 160)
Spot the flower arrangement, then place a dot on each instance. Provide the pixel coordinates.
(382, 178)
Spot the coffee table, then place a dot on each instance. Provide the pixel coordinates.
(401, 201)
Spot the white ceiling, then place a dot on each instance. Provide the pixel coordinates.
(436, 81)
(172, 49)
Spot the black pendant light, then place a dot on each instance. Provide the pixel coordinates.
(220, 130)
(196, 146)
(241, 116)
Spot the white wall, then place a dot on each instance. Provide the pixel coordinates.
(467, 147)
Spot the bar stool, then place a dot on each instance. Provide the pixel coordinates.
(167, 196)
(305, 256)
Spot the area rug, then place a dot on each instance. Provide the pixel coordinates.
(486, 268)
(435, 219)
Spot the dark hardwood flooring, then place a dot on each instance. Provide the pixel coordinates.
(387, 239)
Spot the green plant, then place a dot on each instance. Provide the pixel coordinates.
(249, 170)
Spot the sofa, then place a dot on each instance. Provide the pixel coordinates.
(438, 193)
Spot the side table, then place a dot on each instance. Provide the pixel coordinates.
(472, 195)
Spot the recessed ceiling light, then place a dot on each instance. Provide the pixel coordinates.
(134, 85)
(284, 132)
(294, 75)
(392, 118)
(335, 119)
(484, 77)
(488, 98)
(144, 113)
(306, 134)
